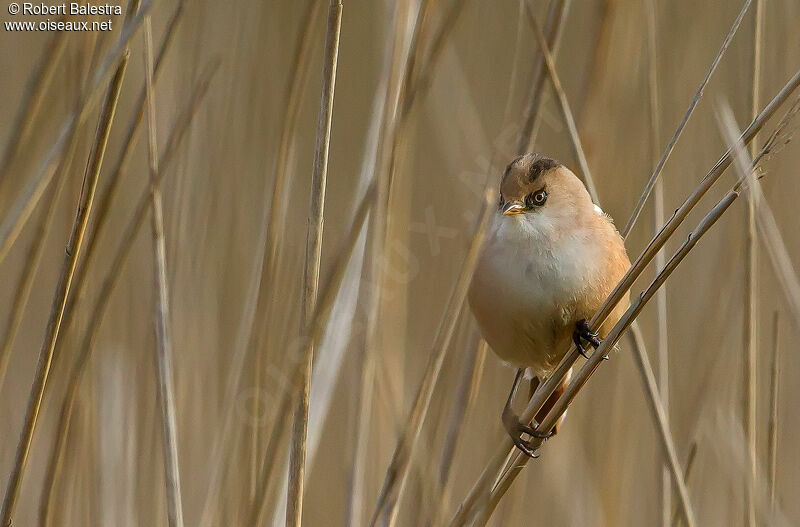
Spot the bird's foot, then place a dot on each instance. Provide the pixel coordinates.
(517, 428)
(584, 332)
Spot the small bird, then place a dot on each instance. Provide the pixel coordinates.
(550, 260)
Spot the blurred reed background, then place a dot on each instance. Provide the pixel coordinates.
(431, 100)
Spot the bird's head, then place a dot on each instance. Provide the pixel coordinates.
(542, 194)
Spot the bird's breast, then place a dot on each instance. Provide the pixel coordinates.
(524, 295)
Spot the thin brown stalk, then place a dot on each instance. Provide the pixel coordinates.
(692, 105)
(662, 340)
(275, 224)
(129, 233)
(164, 350)
(272, 234)
(554, 23)
(546, 389)
(73, 250)
(399, 468)
(32, 261)
(22, 208)
(297, 453)
(32, 99)
(566, 111)
(772, 426)
(687, 473)
(326, 297)
(750, 326)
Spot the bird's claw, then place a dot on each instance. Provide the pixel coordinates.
(584, 332)
(516, 428)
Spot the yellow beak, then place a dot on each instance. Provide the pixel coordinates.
(509, 209)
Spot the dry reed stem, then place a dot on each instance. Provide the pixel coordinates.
(22, 208)
(546, 389)
(72, 252)
(556, 14)
(692, 105)
(32, 261)
(297, 453)
(317, 326)
(278, 199)
(294, 93)
(164, 349)
(110, 279)
(566, 111)
(272, 236)
(772, 425)
(399, 468)
(662, 327)
(32, 99)
(687, 474)
(273, 241)
(750, 326)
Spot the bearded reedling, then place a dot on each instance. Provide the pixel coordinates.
(550, 260)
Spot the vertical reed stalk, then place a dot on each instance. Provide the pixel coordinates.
(750, 326)
(687, 473)
(276, 223)
(662, 341)
(164, 353)
(772, 426)
(88, 188)
(317, 325)
(297, 454)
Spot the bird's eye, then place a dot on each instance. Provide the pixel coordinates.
(536, 199)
